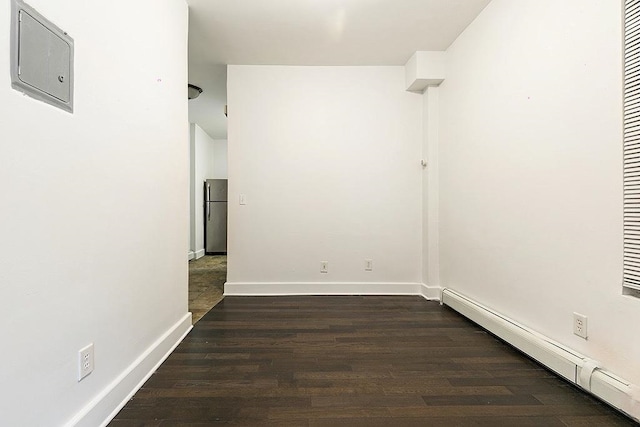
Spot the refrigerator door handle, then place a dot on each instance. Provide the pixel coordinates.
(207, 201)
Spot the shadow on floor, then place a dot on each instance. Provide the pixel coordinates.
(206, 284)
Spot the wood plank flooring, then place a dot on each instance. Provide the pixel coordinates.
(352, 361)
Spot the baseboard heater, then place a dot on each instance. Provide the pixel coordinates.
(567, 363)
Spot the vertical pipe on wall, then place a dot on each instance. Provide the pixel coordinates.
(430, 195)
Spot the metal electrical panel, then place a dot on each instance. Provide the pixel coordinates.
(41, 57)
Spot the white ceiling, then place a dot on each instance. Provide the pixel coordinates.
(207, 110)
(318, 32)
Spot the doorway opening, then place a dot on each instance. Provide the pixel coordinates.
(208, 164)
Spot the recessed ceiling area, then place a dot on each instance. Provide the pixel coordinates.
(310, 32)
(324, 32)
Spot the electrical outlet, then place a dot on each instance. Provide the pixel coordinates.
(324, 266)
(368, 264)
(580, 325)
(85, 361)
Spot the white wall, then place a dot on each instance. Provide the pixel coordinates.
(220, 159)
(530, 172)
(202, 152)
(329, 161)
(93, 207)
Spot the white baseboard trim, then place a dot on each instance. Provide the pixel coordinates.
(431, 293)
(191, 255)
(106, 405)
(573, 366)
(319, 288)
(200, 253)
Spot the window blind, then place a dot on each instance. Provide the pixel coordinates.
(631, 136)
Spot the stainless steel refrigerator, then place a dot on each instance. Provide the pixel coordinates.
(215, 216)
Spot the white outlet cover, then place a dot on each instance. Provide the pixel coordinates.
(85, 361)
(580, 325)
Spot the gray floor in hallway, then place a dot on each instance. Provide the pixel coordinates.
(206, 283)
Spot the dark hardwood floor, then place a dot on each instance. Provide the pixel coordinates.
(352, 361)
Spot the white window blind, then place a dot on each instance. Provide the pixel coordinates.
(631, 271)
